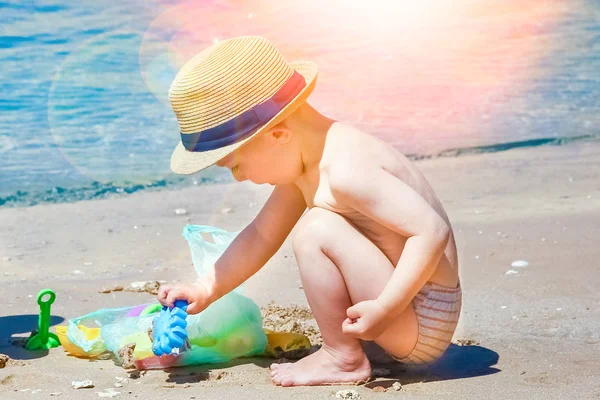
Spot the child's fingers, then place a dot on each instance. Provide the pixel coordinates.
(352, 312)
(349, 327)
(174, 294)
(163, 292)
(347, 322)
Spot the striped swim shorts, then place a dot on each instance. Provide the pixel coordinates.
(437, 308)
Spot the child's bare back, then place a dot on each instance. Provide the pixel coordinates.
(349, 149)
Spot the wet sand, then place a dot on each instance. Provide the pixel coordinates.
(530, 333)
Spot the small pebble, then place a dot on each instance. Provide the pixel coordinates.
(519, 264)
(466, 342)
(4, 359)
(511, 272)
(118, 385)
(135, 227)
(503, 307)
(36, 391)
(180, 211)
(78, 272)
(110, 393)
(87, 264)
(380, 372)
(136, 374)
(82, 384)
(396, 386)
(56, 394)
(379, 389)
(347, 394)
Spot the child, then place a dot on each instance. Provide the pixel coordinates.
(375, 250)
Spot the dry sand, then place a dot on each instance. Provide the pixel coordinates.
(533, 333)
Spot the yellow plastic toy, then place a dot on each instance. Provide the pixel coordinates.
(286, 344)
(143, 345)
(90, 334)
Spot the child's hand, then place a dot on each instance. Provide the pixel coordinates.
(366, 320)
(196, 295)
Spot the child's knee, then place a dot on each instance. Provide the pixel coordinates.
(314, 229)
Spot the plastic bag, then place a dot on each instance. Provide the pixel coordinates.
(230, 327)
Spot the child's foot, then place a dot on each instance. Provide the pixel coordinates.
(323, 367)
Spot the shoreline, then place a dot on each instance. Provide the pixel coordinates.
(95, 190)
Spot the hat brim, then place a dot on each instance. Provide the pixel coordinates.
(186, 162)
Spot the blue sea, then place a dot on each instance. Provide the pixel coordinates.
(83, 84)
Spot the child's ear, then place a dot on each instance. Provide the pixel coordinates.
(281, 135)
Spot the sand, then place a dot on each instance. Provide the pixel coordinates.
(531, 333)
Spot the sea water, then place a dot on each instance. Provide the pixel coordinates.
(84, 109)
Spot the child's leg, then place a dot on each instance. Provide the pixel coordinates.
(340, 267)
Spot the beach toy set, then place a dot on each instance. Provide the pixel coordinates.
(155, 337)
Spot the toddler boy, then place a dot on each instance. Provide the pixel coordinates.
(375, 250)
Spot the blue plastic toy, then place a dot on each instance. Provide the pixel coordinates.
(170, 335)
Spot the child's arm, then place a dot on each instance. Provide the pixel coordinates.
(248, 252)
(379, 195)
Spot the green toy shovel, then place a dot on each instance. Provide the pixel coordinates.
(43, 339)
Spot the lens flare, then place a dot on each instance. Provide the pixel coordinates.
(420, 75)
(417, 74)
(102, 117)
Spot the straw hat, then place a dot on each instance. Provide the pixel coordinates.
(229, 93)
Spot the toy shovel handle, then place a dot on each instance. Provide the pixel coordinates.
(44, 321)
(183, 304)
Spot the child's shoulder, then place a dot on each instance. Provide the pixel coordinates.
(347, 143)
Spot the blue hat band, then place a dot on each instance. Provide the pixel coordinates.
(245, 124)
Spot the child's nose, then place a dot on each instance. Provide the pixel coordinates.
(223, 162)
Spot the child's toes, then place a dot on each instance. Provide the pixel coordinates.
(276, 378)
(274, 366)
(287, 380)
(279, 367)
